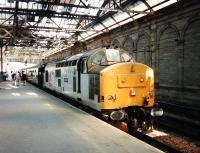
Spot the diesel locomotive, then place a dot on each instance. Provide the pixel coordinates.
(107, 80)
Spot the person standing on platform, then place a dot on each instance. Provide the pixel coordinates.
(17, 80)
(23, 78)
(13, 76)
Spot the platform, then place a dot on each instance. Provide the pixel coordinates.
(32, 121)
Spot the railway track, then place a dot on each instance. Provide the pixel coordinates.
(164, 147)
(145, 138)
(180, 119)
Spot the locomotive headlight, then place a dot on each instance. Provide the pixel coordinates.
(132, 92)
(156, 112)
(117, 115)
(151, 74)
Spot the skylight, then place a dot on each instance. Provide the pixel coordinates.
(114, 26)
(126, 21)
(61, 21)
(120, 16)
(108, 22)
(165, 4)
(138, 6)
(84, 34)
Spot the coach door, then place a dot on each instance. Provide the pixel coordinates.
(82, 68)
(40, 76)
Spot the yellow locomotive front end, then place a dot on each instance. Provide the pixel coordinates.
(126, 88)
(127, 94)
(126, 84)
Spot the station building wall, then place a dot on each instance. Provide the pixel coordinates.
(169, 42)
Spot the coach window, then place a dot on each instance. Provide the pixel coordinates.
(97, 58)
(47, 76)
(74, 63)
(66, 64)
(58, 73)
(70, 63)
(31, 73)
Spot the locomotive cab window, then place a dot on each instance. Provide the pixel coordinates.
(98, 58)
(84, 66)
(112, 55)
(125, 57)
(108, 57)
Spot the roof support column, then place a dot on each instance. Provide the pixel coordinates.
(1, 58)
(15, 22)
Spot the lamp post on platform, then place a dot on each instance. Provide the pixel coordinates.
(1, 46)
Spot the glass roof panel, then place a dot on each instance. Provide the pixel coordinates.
(139, 16)
(138, 6)
(90, 32)
(2, 3)
(120, 16)
(63, 27)
(98, 27)
(24, 5)
(165, 4)
(79, 38)
(84, 34)
(126, 21)
(152, 2)
(108, 22)
(114, 26)
(87, 11)
(96, 34)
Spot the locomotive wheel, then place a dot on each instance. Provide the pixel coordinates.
(132, 126)
(145, 127)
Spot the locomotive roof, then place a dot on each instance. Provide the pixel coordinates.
(59, 61)
(74, 57)
(83, 54)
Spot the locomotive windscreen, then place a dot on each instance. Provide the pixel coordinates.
(106, 57)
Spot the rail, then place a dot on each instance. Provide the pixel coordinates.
(180, 119)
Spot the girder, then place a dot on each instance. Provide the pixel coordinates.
(48, 13)
(68, 19)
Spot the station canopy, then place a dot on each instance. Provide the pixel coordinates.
(49, 25)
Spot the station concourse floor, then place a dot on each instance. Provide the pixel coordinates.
(33, 121)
